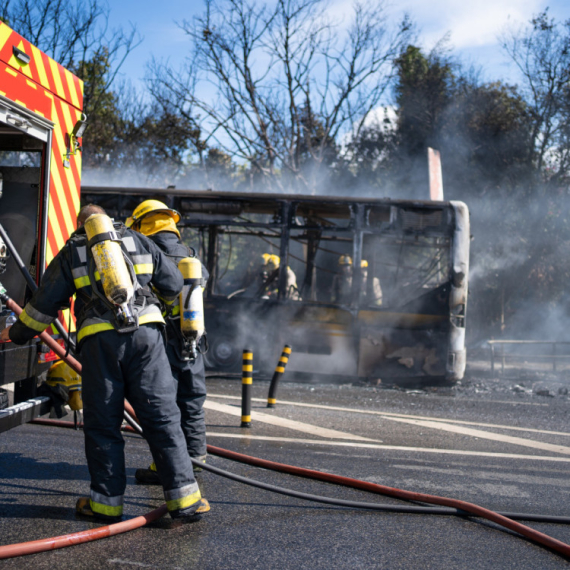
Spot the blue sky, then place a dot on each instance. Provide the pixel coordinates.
(473, 28)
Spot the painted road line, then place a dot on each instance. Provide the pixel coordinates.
(285, 423)
(485, 435)
(391, 414)
(248, 437)
(438, 425)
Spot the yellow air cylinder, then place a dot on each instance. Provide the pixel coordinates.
(111, 265)
(191, 298)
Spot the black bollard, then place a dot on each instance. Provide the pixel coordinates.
(271, 399)
(246, 382)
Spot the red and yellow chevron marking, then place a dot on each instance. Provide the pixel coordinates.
(42, 70)
(48, 89)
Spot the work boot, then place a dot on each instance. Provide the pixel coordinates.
(83, 508)
(191, 514)
(148, 476)
(199, 458)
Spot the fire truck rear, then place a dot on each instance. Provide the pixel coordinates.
(41, 123)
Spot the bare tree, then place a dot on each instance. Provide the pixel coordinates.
(74, 33)
(277, 86)
(541, 51)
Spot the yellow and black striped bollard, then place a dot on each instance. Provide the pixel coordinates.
(271, 399)
(246, 382)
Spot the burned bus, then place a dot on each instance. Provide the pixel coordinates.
(360, 288)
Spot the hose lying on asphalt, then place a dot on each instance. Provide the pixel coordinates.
(457, 508)
(23, 548)
(451, 506)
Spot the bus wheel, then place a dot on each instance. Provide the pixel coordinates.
(223, 354)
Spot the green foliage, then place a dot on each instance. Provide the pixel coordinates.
(102, 107)
(424, 89)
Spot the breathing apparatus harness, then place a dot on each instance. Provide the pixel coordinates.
(122, 295)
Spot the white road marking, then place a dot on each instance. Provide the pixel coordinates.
(285, 423)
(438, 424)
(389, 447)
(485, 435)
(391, 414)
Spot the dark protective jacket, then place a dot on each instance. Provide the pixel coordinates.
(68, 273)
(170, 244)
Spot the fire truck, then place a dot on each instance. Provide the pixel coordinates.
(41, 123)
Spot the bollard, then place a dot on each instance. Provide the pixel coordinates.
(271, 400)
(246, 382)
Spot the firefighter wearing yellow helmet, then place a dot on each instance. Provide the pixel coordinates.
(269, 274)
(341, 291)
(342, 281)
(118, 361)
(184, 326)
(371, 294)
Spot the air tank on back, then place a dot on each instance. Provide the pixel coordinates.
(111, 265)
(191, 303)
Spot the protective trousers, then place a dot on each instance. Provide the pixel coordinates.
(132, 366)
(190, 397)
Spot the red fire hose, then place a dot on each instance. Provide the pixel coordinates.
(468, 508)
(13, 550)
(471, 508)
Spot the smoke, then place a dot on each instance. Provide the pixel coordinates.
(520, 251)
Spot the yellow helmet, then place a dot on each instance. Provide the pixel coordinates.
(151, 207)
(363, 263)
(345, 260)
(271, 259)
(62, 373)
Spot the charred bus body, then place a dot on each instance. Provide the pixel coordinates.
(40, 168)
(380, 286)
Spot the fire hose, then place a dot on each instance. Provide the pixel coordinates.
(451, 506)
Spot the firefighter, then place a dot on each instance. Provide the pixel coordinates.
(122, 352)
(157, 221)
(373, 297)
(342, 281)
(269, 274)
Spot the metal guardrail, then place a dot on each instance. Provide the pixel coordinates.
(553, 343)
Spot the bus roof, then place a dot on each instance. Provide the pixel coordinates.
(214, 194)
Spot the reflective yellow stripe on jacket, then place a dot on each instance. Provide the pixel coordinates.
(34, 319)
(83, 280)
(144, 319)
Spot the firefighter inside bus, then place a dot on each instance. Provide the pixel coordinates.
(269, 277)
(370, 294)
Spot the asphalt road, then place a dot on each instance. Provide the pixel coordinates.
(505, 449)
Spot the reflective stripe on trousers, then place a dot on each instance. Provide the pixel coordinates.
(178, 499)
(109, 506)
